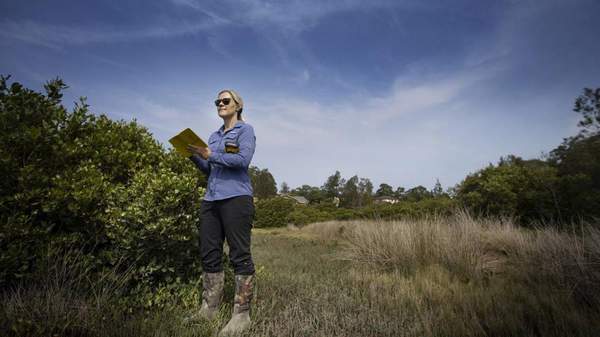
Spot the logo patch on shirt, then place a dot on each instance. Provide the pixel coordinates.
(231, 147)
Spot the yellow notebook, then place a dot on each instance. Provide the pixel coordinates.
(185, 137)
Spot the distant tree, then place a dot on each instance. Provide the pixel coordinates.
(417, 193)
(588, 105)
(400, 192)
(312, 193)
(350, 196)
(384, 190)
(451, 191)
(437, 189)
(285, 189)
(263, 183)
(331, 188)
(365, 192)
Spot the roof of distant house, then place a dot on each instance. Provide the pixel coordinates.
(384, 197)
(300, 199)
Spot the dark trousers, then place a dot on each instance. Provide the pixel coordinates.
(229, 219)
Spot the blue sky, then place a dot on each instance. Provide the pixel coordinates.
(401, 92)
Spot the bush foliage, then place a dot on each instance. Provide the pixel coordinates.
(106, 187)
(273, 212)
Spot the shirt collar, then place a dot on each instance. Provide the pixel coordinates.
(238, 124)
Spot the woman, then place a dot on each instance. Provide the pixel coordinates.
(227, 211)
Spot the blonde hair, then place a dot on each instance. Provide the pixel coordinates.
(238, 101)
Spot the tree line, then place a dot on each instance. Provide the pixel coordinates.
(562, 186)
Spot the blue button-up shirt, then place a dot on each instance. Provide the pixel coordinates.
(228, 172)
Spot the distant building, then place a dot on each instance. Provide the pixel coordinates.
(384, 199)
(297, 198)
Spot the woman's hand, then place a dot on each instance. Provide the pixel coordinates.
(203, 152)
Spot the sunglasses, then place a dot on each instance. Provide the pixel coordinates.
(225, 101)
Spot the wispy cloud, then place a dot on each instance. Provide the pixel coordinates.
(199, 7)
(426, 112)
(289, 16)
(57, 36)
(286, 17)
(420, 93)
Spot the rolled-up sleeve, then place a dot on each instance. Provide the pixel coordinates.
(201, 163)
(247, 143)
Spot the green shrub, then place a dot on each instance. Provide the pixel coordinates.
(303, 215)
(400, 210)
(105, 187)
(525, 189)
(346, 214)
(273, 212)
(153, 221)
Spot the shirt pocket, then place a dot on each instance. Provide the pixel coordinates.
(230, 142)
(213, 144)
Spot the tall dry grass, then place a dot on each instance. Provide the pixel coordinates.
(69, 298)
(477, 250)
(435, 277)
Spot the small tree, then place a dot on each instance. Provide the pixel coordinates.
(285, 189)
(588, 105)
(417, 193)
(350, 195)
(263, 183)
(437, 190)
(332, 186)
(400, 192)
(312, 193)
(384, 190)
(365, 192)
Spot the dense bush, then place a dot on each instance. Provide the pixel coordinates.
(153, 221)
(577, 161)
(303, 215)
(406, 209)
(84, 181)
(525, 189)
(563, 189)
(273, 212)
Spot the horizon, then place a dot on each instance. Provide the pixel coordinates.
(413, 92)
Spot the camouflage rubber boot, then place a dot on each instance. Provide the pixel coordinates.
(240, 319)
(212, 294)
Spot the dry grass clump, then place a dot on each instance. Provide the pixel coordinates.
(331, 230)
(64, 300)
(476, 250)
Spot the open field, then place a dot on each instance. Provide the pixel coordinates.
(438, 277)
